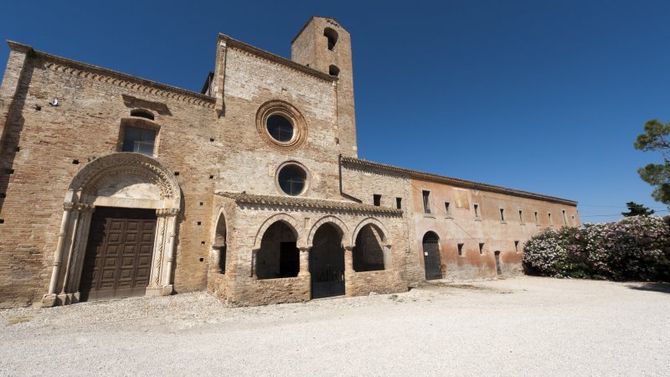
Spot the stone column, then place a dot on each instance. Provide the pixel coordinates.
(50, 299)
(171, 228)
(304, 262)
(254, 256)
(348, 259)
(65, 295)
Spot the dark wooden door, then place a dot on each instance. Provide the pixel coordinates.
(431, 256)
(119, 253)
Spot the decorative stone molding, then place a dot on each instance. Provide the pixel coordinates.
(78, 212)
(289, 111)
(341, 227)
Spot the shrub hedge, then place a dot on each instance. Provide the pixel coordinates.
(635, 248)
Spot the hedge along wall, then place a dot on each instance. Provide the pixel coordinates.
(635, 248)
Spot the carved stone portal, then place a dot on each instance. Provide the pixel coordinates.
(129, 180)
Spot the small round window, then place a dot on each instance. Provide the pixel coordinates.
(292, 179)
(280, 128)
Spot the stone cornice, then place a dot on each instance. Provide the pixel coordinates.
(92, 72)
(369, 165)
(234, 43)
(308, 204)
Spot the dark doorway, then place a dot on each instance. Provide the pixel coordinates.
(431, 256)
(326, 262)
(289, 259)
(119, 253)
(368, 253)
(278, 257)
(497, 257)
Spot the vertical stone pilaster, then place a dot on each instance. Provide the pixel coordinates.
(50, 299)
(304, 262)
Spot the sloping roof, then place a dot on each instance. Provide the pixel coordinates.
(364, 164)
(307, 203)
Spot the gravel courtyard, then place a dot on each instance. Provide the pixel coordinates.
(514, 327)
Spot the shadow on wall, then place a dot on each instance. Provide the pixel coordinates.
(653, 287)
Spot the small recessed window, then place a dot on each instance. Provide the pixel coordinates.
(333, 71)
(481, 248)
(476, 207)
(516, 246)
(460, 249)
(521, 216)
(426, 201)
(447, 208)
(280, 128)
(549, 216)
(141, 113)
(502, 215)
(398, 203)
(139, 140)
(537, 219)
(377, 200)
(565, 217)
(292, 179)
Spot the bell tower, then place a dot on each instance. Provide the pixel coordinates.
(324, 45)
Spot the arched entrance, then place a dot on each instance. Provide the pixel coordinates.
(219, 246)
(431, 256)
(369, 249)
(326, 262)
(278, 256)
(117, 232)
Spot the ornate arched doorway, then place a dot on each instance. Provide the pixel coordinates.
(118, 230)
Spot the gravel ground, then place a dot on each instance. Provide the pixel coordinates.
(513, 327)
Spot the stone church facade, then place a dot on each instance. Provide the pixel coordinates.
(116, 186)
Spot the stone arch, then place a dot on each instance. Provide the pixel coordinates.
(371, 249)
(126, 180)
(375, 222)
(218, 256)
(286, 218)
(337, 223)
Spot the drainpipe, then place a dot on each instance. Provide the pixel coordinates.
(339, 165)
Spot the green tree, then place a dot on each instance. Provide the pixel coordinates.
(636, 209)
(656, 138)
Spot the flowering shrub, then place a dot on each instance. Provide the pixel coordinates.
(635, 248)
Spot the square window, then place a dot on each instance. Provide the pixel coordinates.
(377, 200)
(139, 140)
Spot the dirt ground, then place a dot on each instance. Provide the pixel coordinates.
(514, 327)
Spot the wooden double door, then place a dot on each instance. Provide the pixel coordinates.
(119, 253)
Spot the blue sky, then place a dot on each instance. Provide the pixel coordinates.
(544, 96)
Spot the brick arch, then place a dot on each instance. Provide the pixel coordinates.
(283, 217)
(375, 222)
(337, 223)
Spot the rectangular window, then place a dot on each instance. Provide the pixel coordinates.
(447, 209)
(481, 248)
(377, 200)
(426, 201)
(460, 249)
(502, 215)
(398, 203)
(139, 140)
(476, 206)
(521, 216)
(516, 246)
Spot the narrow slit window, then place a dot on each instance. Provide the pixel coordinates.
(481, 248)
(565, 218)
(476, 207)
(398, 203)
(537, 219)
(460, 249)
(521, 216)
(447, 209)
(549, 216)
(377, 200)
(516, 246)
(502, 215)
(426, 201)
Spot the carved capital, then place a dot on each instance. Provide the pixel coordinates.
(67, 206)
(167, 212)
(83, 207)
